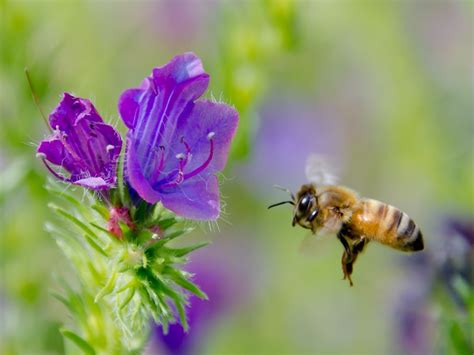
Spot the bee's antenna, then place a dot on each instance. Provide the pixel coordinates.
(35, 98)
(286, 190)
(281, 203)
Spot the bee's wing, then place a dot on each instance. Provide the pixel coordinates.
(320, 171)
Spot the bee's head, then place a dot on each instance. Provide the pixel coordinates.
(305, 206)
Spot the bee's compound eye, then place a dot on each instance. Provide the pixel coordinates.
(313, 215)
(304, 203)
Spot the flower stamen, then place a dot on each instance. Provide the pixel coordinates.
(55, 174)
(181, 164)
(204, 165)
(181, 176)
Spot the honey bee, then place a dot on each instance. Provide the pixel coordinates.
(325, 207)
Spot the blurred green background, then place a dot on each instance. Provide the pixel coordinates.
(384, 88)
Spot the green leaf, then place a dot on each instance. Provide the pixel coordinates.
(158, 210)
(131, 284)
(95, 246)
(159, 243)
(79, 341)
(108, 288)
(165, 223)
(70, 239)
(155, 282)
(184, 251)
(73, 219)
(63, 194)
(89, 236)
(462, 288)
(122, 189)
(182, 281)
(127, 299)
(182, 315)
(101, 210)
(145, 294)
(93, 271)
(102, 229)
(61, 299)
(143, 212)
(142, 237)
(158, 285)
(458, 339)
(165, 308)
(165, 326)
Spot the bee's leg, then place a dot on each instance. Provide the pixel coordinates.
(347, 256)
(346, 267)
(348, 263)
(345, 244)
(359, 245)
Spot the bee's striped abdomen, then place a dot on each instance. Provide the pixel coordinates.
(388, 225)
(408, 233)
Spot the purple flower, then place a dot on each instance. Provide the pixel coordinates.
(175, 144)
(81, 144)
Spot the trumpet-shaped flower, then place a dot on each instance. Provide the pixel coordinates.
(176, 144)
(81, 144)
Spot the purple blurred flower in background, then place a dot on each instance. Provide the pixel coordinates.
(175, 144)
(82, 144)
(179, 25)
(290, 130)
(456, 258)
(225, 280)
(414, 322)
(437, 269)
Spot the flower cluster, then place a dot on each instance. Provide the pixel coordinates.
(82, 144)
(174, 146)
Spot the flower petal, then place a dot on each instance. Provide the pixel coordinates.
(129, 105)
(70, 110)
(108, 145)
(204, 118)
(94, 183)
(197, 199)
(179, 82)
(54, 151)
(179, 70)
(175, 144)
(135, 176)
(171, 91)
